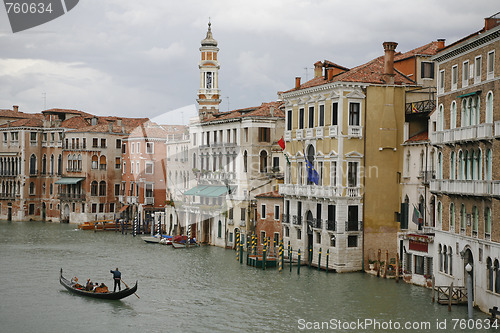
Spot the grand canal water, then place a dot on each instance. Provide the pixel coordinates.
(197, 290)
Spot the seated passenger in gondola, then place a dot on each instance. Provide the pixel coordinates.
(89, 285)
(102, 289)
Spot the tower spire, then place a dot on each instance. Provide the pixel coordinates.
(209, 93)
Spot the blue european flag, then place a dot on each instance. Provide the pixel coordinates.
(312, 174)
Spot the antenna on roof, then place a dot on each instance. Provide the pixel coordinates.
(227, 103)
(307, 68)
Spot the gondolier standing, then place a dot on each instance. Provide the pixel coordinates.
(117, 276)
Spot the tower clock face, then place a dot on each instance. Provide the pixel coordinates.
(209, 80)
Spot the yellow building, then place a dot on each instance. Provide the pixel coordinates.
(348, 123)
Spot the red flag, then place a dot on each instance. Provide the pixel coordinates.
(281, 142)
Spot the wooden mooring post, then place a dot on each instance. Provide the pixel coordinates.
(327, 255)
(298, 264)
(319, 259)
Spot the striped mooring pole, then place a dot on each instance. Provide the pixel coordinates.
(237, 246)
(327, 255)
(280, 258)
(298, 263)
(319, 259)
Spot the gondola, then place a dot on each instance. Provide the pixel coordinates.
(109, 295)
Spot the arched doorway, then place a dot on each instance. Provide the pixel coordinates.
(44, 211)
(469, 259)
(309, 226)
(65, 217)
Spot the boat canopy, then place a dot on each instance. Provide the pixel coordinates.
(210, 191)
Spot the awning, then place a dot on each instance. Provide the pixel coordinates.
(123, 209)
(210, 191)
(69, 180)
(470, 94)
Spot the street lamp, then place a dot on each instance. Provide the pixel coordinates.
(468, 268)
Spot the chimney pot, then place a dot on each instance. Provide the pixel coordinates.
(329, 72)
(318, 69)
(389, 48)
(297, 82)
(15, 108)
(491, 22)
(441, 43)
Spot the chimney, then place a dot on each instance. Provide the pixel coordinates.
(491, 22)
(329, 72)
(271, 111)
(389, 48)
(318, 69)
(118, 122)
(440, 44)
(110, 126)
(15, 108)
(297, 82)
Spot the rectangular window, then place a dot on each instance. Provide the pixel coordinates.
(419, 265)
(246, 134)
(352, 241)
(427, 70)
(124, 167)
(276, 163)
(335, 113)
(320, 172)
(194, 139)
(148, 191)
(117, 189)
(242, 214)
(83, 208)
(118, 143)
(299, 173)
(333, 173)
(263, 211)
(138, 147)
(318, 237)
(112, 207)
(441, 81)
(262, 237)
(352, 174)
(150, 147)
(277, 212)
(264, 134)
(132, 167)
(354, 114)
(230, 214)
(321, 116)
(94, 208)
(490, 64)
(276, 238)
(118, 163)
(301, 118)
(465, 74)
(311, 116)
(124, 148)
(31, 209)
(289, 120)
(477, 69)
(95, 143)
(33, 136)
(454, 77)
(299, 233)
(101, 208)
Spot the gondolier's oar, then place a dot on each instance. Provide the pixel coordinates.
(129, 288)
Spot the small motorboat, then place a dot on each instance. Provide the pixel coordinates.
(179, 242)
(156, 238)
(73, 287)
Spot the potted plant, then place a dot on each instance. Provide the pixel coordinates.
(371, 264)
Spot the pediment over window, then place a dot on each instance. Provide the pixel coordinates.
(356, 94)
(353, 154)
(332, 154)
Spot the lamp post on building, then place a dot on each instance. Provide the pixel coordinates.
(468, 268)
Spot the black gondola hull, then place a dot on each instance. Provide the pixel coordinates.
(111, 296)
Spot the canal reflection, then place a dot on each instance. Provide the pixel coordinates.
(197, 290)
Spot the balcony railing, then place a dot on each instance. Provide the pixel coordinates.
(309, 133)
(353, 192)
(299, 134)
(131, 200)
(466, 187)
(317, 223)
(149, 200)
(355, 131)
(297, 220)
(332, 130)
(420, 106)
(286, 218)
(7, 196)
(71, 196)
(353, 225)
(468, 133)
(320, 132)
(312, 191)
(331, 225)
(243, 223)
(230, 222)
(497, 129)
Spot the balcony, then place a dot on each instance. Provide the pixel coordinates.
(466, 187)
(353, 225)
(299, 134)
(288, 135)
(121, 198)
(333, 130)
(424, 106)
(497, 129)
(309, 133)
(149, 200)
(297, 220)
(353, 192)
(331, 225)
(319, 132)
(310, 191)
(355, 131)
(286, 218)
(243, 223)
(230, 222)
(317, 223)
(71, 196)
(7, 196)
(468, 133)
(131, 200)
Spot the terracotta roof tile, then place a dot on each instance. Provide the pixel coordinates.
(264, 110)
(427, 49)
(29, 122)
(273, 194)
(422, 136)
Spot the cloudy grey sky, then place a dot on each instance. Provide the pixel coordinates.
(140, 58)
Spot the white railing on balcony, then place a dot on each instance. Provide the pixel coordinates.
(288, 135)
(352, 192)
(230, 221)
(299, 134)
(496, 188)
(319, 132)
(311, 191)
(469, 133)
(355, 131)
(309, 133)
(121, 198)
(332, 130)
(497, 128)
(131, 200)
(464, 187)
(149, 200)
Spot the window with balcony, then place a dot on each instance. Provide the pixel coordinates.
(453, 115)
(352, 174)
(352, 241)
(311, 117)
(301, 118)
(335, 113)
(148, 190)
(489, 108)
(489, 162)
(354, 113)
(452, 165)
(333, 173)
(439, 217)
(352, 218)
(452, 217)
(440, 118)
(321, 116)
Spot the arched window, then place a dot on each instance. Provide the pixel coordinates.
(497, 277)
(489, 162)
(463, 217)
(479, 165)
(440, 254)
(102, 188)
(463, 113)
(440, 166)
(439, 214)
(452, 217)
(489, 107)
(473, 112)
(452, 165)
(473, 165)
(93, 188)
(453, 115)
(32, 188)
(466, 165)
(33, 164)
(59, 165)
(487, 221)
(263, 161)
(219, 229)
(440, 118)
(475, 223)
(102, 162)
(70, 162)
(52, 161)
(450, 260)
(44, 164)
(489, 274)
(79, 165)
(445, 259)
(460, 171)
(245, 162)
(75, 163)
(95, 162)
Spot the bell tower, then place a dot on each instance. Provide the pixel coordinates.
(209, 93)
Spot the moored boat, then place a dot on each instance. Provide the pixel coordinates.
(106, 295)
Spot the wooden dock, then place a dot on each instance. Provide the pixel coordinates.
(449, 295)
